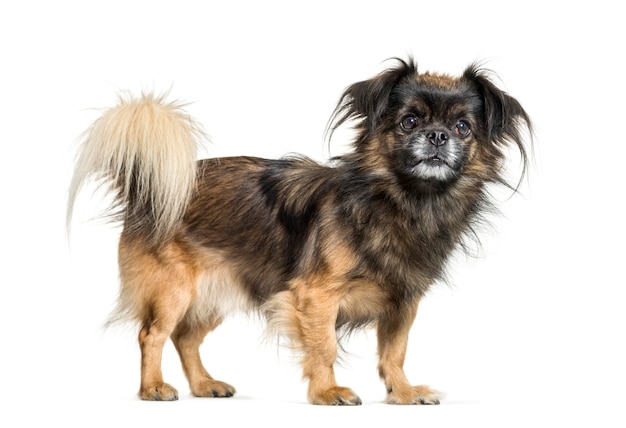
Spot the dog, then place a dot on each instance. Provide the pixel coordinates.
(317, 249)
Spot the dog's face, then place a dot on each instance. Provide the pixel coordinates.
(431, 122)
(431, 127)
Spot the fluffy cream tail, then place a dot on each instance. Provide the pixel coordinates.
(145, 150)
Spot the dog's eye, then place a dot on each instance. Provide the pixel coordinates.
(462, 128)
(409, 122)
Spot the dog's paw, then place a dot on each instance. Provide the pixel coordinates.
(159, 392)
(336, 396)
(212, 388)
(414, 395)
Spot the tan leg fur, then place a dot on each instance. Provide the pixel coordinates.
(159, 288)
(393, 334)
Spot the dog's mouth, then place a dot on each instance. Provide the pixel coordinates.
(436, 160)
(435, 167)
(435, 163)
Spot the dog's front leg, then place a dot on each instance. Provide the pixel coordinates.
(317, 315)
(393, 334)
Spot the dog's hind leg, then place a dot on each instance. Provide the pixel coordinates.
(187, 338)
(165, 316)
(158, 288)
(152, 337)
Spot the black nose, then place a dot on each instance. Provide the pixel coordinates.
(437, 138)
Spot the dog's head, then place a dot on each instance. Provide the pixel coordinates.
(432, 127)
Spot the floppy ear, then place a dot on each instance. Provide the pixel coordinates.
(505, 119)
(366, 101)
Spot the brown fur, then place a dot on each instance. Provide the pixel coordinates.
(316, 249)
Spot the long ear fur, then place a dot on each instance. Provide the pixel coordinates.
(505, 119)
(366, 101)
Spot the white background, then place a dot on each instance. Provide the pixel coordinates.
(529, 334)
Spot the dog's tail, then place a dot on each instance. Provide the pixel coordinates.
(144, 150)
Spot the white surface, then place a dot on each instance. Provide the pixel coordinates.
(530, 335)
